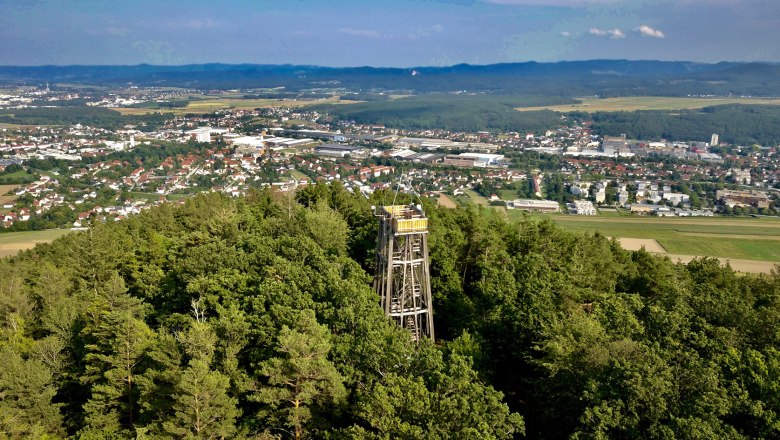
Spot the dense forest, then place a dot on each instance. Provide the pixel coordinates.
(454, 112)
(254, 318)
(736, 124)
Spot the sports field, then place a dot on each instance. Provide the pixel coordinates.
(212, 104)
(631, 103)
(13, 242)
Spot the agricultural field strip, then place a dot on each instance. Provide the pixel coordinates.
(631, 103)
(756, 239)
(212, 104)
(32, 236)
(737, 236)
(714, 222)
(445, 201)
(5, 197)
(13, 242)
(739, 265)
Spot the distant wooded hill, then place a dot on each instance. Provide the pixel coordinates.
(568, 78)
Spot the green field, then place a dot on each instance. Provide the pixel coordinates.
(297, 175)
(740, 238)
(16, 177)
(13, 242)
(476, 198)
(631, 103)
(508, 194)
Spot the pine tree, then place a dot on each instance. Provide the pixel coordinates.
(302, 375)
(202, 404)
(204, 410)
(26, 392)
(117, 343)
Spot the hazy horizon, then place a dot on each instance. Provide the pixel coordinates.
(357, 66)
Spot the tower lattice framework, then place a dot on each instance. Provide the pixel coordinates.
(403, 279)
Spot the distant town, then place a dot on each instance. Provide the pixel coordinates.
(68, 175)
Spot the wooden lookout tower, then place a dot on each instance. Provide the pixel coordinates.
(403, 279)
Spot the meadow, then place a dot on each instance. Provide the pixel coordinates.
(632, 103)
(13, 242)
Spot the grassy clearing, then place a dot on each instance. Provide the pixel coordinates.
(631, 103)
(748, 238)
(212, 104)
(15, 178)
(297, 175)
(476, 198)
(508, 194)
(13, 242)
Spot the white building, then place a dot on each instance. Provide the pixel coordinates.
(534, 205)
(677, 198)
(483, 159)
(202, 134)
(582, 207)
(741, 176)
(580, 189)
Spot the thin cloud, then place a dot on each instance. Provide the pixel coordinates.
(195, 24)
(114, 31)
(118, 31)
(368, 33)
(614, 34)
(565, 34)
(647, 31)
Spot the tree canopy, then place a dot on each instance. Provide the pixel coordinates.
(254, 318)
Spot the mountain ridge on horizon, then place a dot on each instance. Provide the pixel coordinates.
(598, 76)
(362, 66)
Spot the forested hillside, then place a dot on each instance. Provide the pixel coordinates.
(739, 124)
(254, 318)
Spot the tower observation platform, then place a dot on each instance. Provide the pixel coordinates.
(402, 278)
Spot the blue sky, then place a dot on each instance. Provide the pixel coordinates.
(384, 33)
